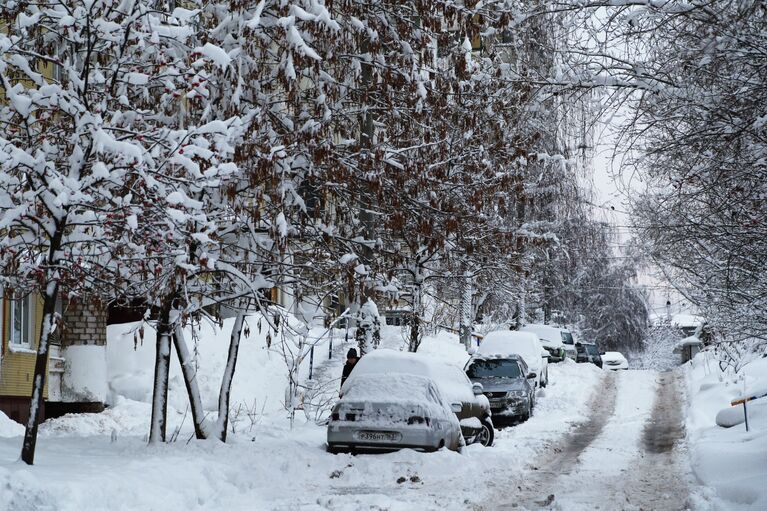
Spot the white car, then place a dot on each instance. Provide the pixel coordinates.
(554, 339)
(390, 412)
(472, 408)
(525, 344)
(614, 360)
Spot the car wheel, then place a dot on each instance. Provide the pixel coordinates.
(487, 435)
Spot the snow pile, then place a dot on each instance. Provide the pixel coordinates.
(258, 389)
(9, 428)
(85, 374)
(260, 377)
(125, 417)
(731, 461)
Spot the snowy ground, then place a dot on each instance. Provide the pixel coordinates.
(266, 465)
(598, 440)
(729, 462)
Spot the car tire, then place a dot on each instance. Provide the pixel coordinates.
(487, 435)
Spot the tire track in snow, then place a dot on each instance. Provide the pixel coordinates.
(628, 460)
(536, 488)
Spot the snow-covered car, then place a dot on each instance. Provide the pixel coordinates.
(525, 344)
(506, 383)
(381, 412)
(557, 341)
(614, 360)
(471, 407)
(588, 353)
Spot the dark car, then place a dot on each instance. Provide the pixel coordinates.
(507, 384)
(588, 353)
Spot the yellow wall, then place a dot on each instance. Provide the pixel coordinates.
(18, 369)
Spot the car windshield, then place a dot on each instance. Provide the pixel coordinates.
(592, 349)
(493, 368)
(567, 337)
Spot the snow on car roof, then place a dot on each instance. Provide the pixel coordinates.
(393, 388)
(506, 342)
(613, 355)
(550, 336)
(451, 380)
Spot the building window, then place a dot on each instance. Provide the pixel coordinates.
(20, 332)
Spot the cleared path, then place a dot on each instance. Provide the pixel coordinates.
(626, 457)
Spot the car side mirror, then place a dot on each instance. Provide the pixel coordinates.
(472, 350)
(530, 376)
(456, 407)
(477, 388)
(545, 355)
(601, 352)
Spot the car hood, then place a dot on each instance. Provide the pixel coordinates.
(500, 384)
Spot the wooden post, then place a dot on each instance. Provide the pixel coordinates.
(745, 413)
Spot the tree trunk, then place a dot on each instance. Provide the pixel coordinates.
(464, 326)
(161, 369)
(415, 319)
(190, 380)
(38, 381)
(222, 423)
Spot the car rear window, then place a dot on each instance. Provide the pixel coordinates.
(567, 337)
(592, 349)
(493, 368)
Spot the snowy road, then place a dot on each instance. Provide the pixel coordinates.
(625, 457)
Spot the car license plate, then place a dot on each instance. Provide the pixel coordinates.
(378, 436)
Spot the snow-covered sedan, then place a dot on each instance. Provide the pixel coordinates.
(380, 412)
(471, 407)
(614, 360)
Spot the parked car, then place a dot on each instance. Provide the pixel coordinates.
(557, 341)
(471, 407)
(525, 344)
(505, 381)
(588, 353)
(614, 360)
(381, 412)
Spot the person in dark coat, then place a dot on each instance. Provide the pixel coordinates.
(351, 360)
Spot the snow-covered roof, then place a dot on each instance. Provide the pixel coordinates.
(689, 341)
(686, 320)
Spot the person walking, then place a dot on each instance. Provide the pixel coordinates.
(351, 360)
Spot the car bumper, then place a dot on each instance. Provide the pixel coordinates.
(347, 437)
(615, 367)
(509, 408)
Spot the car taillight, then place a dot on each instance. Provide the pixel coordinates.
(415, 419)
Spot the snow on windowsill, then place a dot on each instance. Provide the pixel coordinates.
(15, 348)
